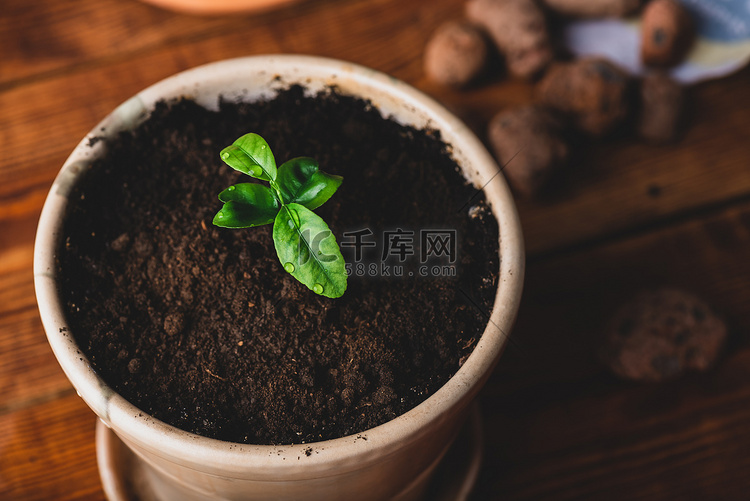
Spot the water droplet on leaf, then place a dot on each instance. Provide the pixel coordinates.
(231, 188)
(225, 155)
(289, 267)
(256, 171)
(220, 215)
(318, 289)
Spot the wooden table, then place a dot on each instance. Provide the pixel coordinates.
(627, 216)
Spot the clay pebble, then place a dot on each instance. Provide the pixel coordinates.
(667, 33)
(519, 30)
(661, 104)
(592, 91)
(456, 54)
(528, 146)
(662, 334)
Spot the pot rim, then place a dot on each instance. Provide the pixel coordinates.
(392, 97)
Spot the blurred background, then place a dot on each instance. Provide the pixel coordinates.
(655, 194)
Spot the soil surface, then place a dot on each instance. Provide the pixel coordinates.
(201, 327)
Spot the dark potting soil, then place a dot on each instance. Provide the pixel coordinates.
(201, 327)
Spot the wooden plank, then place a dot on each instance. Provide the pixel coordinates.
(16, 280)
(683, 440)
(40, 127)
(48, 36)
(18, 230)
(569, 298)
(558, 425)
(561, 427)
(627, 216)
(621, 184)
(48, 452)
(29, 371)
(639, 182)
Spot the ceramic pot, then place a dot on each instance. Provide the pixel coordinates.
(391, 461)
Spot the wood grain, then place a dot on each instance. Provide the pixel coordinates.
(579, 291)
(564, 428)
(28, 170)
(625, 216)
(53, 37)
(47, 452)
(641, 184)
(29, 369)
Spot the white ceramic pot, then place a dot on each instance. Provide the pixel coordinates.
(392, 461)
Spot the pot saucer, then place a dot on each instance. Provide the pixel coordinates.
(125, 477)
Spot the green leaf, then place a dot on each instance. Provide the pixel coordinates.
(236, 215)
(301, 182)
(308, 250)
(251, 194)
(246, 205)
(251, 155)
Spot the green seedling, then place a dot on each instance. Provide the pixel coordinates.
(305, 245)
